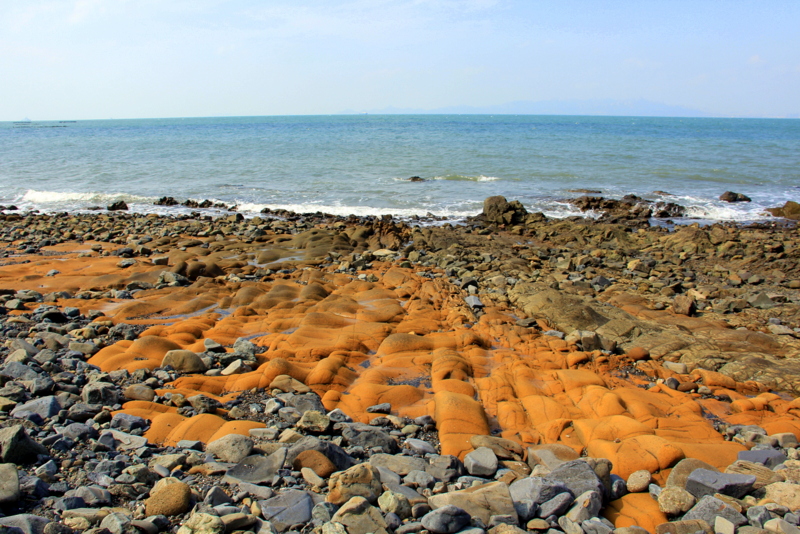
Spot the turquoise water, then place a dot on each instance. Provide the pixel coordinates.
(361, 164)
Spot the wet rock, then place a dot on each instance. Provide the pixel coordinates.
(730, 196)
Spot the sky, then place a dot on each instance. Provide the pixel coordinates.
(100, 59)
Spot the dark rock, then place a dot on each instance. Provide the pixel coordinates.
(730, 196)
(769, 457)
(17, 447)
(446, 520)
(708, 508)
(258, 469)
(291, 507)
(119, 205)
(44, 407)
(498, 210)
(577, 476)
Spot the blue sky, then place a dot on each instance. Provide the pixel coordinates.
(82, 59)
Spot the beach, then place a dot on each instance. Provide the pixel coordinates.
(311, 372)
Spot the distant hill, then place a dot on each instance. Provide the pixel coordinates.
(636, 108)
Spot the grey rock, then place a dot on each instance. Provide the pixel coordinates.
(257, 469)
(703, 482)
(79, 432)
(708, 508)
(335, 454)
(446, 520)
(445, 468)
(17, 447)
(481, 462)
(586, 506)
(104, 393)
(578, 476)
(116, 523)
(127, 422)
(370, 438)
(231, 448)
(124, 441)
(289, 508)
(9, 483)
(768, 457)
(419, 479)
(18, 371)
(402, 465)
(203, 404)
(380, 408)
(27, 523)
(45, 407)
(758, 515)
(93, 495)
(556, 506)
(419, 446)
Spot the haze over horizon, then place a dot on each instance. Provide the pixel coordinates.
(99, 59)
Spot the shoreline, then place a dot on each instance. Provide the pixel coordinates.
(544, 341)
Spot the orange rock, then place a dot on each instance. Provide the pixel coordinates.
(316, 461)
(633, 454)
(635, 510)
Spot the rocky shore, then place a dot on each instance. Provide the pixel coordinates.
(308, 373)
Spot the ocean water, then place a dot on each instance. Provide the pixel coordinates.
(360, 164)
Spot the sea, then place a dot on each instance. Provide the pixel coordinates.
(362, 164)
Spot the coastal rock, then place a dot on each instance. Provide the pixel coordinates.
(500, 211)
(362, 480)
(730, 196)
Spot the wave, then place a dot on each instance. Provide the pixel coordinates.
(343, 211)
(464, 178)
(73, 198)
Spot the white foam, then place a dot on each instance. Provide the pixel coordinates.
(58, 197)
(344, 211)
(462, 178)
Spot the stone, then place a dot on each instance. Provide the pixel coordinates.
(783, 493)
(257, 469)
(316, 461)
(680, 473)
(98, 392)
(184, 361)
(550, 455)
(17, 447)
(333, 452)
(446, 520)
(9, 483)
(419, 446)
(395, 503)
(361, 480)
(44, 407)
(586, 506)
(578, 476)
(126, 422)
(200, 523)
(638, 481)
(360, 517)
(116, 523)
(691, 526)
(675, 501)
(708, 508)
(290, 507)
(530, 492)
(482, 462)
(312, 478)
(169, 499)
(482, 501)
(557, 506)
(764, 475)
(769, 458)
(231, 448)
(314, 421)
(26, 523)
(781, 527)
(402, 465)
(684, 305)
(702, 482)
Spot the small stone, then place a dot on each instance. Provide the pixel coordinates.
(639, 481)
(170, 499)
(316, 461)
(314, 421)
(199, 523)
(9, 483)
(703, 482)
(675, 501)
(361, 480)
(780, 526)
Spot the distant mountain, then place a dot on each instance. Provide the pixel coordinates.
(636, 108)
